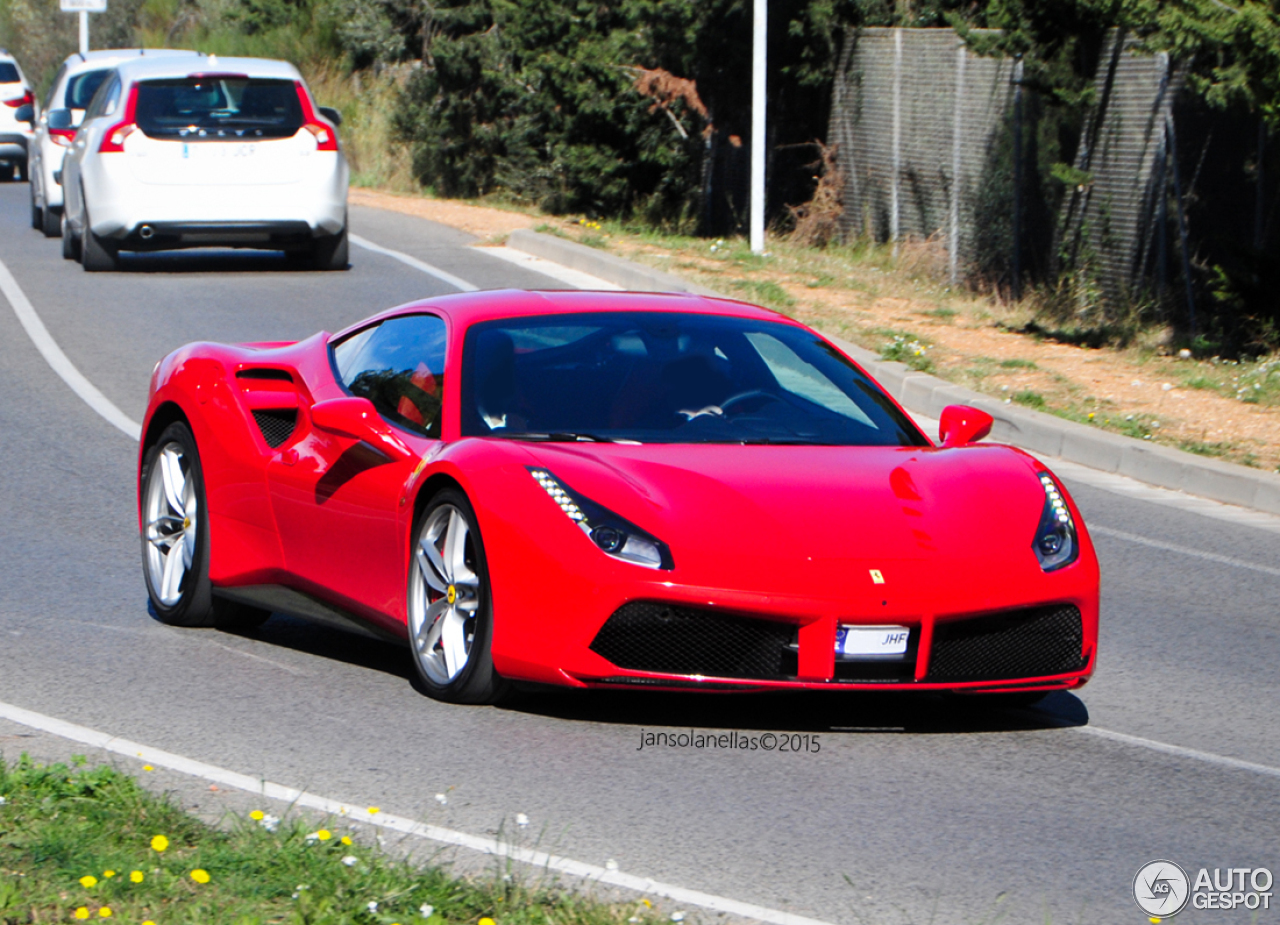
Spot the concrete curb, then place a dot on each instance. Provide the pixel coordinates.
(1044, 434)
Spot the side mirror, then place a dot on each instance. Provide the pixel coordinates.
(25, 113)
(62, 119)
(358, 419)
(331, 114)
(961, 424)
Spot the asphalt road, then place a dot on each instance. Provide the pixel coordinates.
(912, 810)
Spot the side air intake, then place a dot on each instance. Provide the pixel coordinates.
(276, 424)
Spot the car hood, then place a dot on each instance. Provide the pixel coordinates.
(818, 519)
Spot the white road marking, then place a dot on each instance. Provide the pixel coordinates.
(58, 361)
(349, 810)
(442, 275)
(1195, 754)
(575, 278)
(1185, 551)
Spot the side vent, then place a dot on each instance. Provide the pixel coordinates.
(276, 424)
(278, 375)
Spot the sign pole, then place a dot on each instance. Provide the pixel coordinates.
(759, 40)
(84, 31)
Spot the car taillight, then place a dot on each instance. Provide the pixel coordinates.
(62, 136)
(325, 134)
(113, 138)
(23, 100)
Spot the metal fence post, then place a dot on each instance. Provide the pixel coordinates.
(1017, 179)
(894, 201)
(1182, 225)
(954, 242)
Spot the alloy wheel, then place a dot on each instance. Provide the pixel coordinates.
(444, 594)
(170, 520)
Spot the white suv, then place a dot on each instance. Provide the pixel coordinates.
(73, 87)
(175, 153)
(15, 134)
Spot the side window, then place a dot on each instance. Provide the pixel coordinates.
(53, 89)
(105, 100)
(399, 366)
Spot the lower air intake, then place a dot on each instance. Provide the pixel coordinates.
(276, 425)
(648, 636)
(1028, 643)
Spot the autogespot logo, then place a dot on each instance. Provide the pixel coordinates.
(1161, 888)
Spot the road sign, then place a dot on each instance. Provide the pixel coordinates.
(83, 6)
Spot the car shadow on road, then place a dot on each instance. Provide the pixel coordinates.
(850, 712)
(207, 260)
(803, 711)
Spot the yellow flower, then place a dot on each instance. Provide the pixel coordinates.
(647, 904)
(486, 921)
(148, 922)
(324, 834)
(105, 912)
(145, 767)
(346, 839)
(108, 874)
(373, 810)
(200, 876)
(257, 815)
(136, 876)
(159, 843)
(88, 880)
(82, 913)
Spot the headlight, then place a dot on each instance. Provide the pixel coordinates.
(1055, 543)
(615, 536)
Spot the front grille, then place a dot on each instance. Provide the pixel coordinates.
(276, 424)
(1028, 643)
(650, 636)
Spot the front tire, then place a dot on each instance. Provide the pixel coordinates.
(70, 244)
(175, 531)
(450, 608)
(37, 213)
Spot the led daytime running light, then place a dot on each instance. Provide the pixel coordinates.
(561, 497)
(1061, 513)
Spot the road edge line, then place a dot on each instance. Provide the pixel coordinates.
(444, 276)
(401, 824)
(58, 361)
(1180, 751)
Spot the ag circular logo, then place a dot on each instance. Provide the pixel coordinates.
(1161, 888)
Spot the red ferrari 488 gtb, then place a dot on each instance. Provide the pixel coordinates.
(609, 489)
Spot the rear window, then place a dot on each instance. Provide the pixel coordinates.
(9, 73)
(82, 87)
(218, 107)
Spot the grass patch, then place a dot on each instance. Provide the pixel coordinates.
(945, 315)
(905, 348)
(1202, 448)
(1030, 399)
(81, 843)
(823, 280)
(766, 292)
(1016, 363)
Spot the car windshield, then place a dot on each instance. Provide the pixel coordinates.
(82, 87)
(663, 377)
(9, 73)
(193, 108)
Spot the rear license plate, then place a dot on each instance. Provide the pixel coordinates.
(217, 150)
(871, 643)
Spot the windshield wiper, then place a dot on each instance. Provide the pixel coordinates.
(567, 437)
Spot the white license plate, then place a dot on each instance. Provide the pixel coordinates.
(216, 150)
(859, 643)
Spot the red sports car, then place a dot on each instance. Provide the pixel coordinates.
(609, 490)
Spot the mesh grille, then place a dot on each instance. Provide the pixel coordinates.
(276, 426)
(648, 636)
(1024, 644)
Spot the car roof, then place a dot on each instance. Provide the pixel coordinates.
(151, 68)
(465, 309)
(108, 57)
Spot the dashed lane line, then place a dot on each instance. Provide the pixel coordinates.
(1184, 550)
(348, 810)
(443, 275)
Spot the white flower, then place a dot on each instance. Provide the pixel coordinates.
(611, 864)
(521, 818)
(269, 822)
(372, 906)
(634, 919)
(313, 836)
(441, 799)
(2, 801)
(1167, 387)
(677, 916)
(1184, 353)
(426, 909)
(350, 860)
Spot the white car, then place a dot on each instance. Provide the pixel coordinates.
(15, 134)
(73, 87)
(215, 152)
